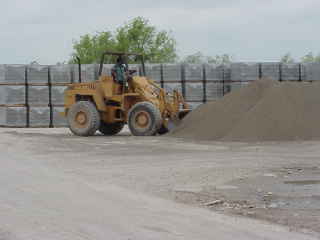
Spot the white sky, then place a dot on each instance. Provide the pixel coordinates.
(250, 30)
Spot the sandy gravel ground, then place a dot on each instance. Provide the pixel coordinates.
(58, 186)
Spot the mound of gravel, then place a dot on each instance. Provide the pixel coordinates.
(266, 110)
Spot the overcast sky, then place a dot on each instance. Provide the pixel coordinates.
(250, 30)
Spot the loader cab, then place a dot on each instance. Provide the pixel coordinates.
(121, 60)
(118, 59)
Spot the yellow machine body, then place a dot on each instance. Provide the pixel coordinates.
(114, 100)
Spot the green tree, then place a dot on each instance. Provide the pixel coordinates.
(287, 58)
(140, 36)
(199, 58)
(137, 36)
(90, 47)
(220, 59)
(196, 58)
(310, 58)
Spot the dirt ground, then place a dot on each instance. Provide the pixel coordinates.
(274, 181)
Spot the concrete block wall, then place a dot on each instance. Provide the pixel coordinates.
(153, 71)
(193, 72)
(57, 94)
(38, 95)
(60, 77)
(39, 116)
(12, 94)
(214, 90)
(58, 120)
(171, 72)
(13, 111)
(13, 116)
(38, 74)
(215, 72)
(32, 95)
(270, 70)
(89, 72)
(12, 74)
(244, 72)
(193, 76)
(61, 74)
(194, 91)
(311, 71)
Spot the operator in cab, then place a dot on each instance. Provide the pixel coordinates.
(119, 71)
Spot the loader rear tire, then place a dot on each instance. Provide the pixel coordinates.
(144, 119)
(110, 129)
(83, 118)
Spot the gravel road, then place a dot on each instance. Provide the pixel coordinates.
(58, 186)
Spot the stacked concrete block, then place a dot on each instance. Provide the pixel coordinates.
(75, 73)
(244, 72)
(57, 95)
(227, 87)
(172, 77)
(57, 119)
(2, 73)
(215, 72)
(193, 75)
(214, 90)
(237, 85)
(61, 74)
(153, 71)
(270, 70)
(106, 70)
(193, 72)
(311, 71)
(38, 74)
(89, 72)
(39, 116)
(38, 95)
(303, 73)
(12, 74)
(135, 67)
(227, 74)
(290, 72)
(13, 116)
(172, 72)
(12, 94)
(194, 91)
(219, 81)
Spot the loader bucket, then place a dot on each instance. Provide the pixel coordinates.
(184, 113)
(173, 123)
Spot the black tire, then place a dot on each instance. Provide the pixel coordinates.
(144, 119)
(163, 130)
(110, 129)
(83, 118)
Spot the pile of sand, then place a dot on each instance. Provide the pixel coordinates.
(265, 110)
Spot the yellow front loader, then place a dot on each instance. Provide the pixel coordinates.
(107, 104)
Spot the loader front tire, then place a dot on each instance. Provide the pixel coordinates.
(110, 129)
(83, 118)
(144, 119)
